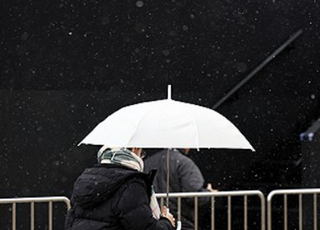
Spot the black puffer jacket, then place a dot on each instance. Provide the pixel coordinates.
(114, 198)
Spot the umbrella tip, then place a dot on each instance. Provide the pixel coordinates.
(169, 91)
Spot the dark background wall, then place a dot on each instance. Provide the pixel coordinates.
(66, 65)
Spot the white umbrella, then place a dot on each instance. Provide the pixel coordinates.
(167, 124)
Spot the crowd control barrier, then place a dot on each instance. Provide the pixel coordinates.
(286, 196)
(214, 196)
(303, 207)
(31, 201)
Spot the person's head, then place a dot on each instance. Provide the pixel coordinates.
(185, 151)
(129, 157)
(139, 152)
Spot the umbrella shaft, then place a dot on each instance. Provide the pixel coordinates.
(168, 177)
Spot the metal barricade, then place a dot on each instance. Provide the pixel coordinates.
(300, 193)
(213, 196)
(32, 201)
(179, 196)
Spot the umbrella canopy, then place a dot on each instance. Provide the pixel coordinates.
(167, 124)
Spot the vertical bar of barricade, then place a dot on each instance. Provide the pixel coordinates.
(14, 216)
(315, 213)
(263, 211)
(196, 213)
(285, 212)
(212, 213)
(269, 205)
(300, 212)
(245, 211)
(32, 215)
(179, 208)
(50, 215)
(229, 212)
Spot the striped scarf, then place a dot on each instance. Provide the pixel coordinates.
(125, 157)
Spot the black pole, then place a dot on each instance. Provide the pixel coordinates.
(258, 68)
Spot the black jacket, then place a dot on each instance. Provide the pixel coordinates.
(114, 198)
(185, 176)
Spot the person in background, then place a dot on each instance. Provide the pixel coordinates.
(184, 176)
(116, 195)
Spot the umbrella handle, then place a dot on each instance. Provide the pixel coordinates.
(178, 225)
(178, 222)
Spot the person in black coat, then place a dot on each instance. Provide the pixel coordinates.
(116, 195)
(184, 176)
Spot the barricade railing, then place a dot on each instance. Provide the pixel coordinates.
(32, 201)
(299, 193)
(179, 196)
(213, 196)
